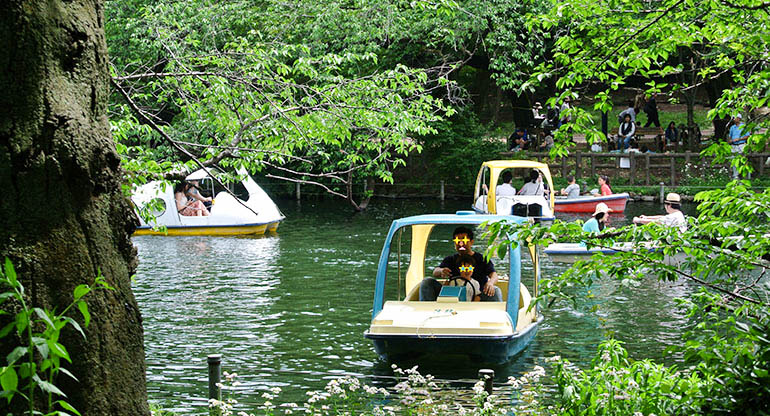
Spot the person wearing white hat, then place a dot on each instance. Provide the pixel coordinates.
(737, 139)
(674, 216)
(599, 220)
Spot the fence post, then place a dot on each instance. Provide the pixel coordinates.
(578, 162)
(488, 377)
(297, 191)
(441, 192)
(564, 167)
(632, 163)
(647, 165)
(661, 192)
(673, 171)
(215, 379)
(593, 167)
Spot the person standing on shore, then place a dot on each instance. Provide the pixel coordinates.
(737, 139)
(651, 108)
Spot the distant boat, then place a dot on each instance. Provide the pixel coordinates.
(572, 252)
(616, 202)
(538, 207)
(403, 326)
(253, 212)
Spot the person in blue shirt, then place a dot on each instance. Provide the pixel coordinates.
(737, 139)
(599, 220)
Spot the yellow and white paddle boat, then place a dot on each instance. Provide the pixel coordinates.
(403, 326)
(488, 201)
(251, 212)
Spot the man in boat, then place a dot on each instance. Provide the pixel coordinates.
(506, 189)
(573, 189)
(483, 272)
(674, 216)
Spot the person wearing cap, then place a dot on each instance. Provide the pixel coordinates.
(674, 216)
(599, 220)
(737, 139)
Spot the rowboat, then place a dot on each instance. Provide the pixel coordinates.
(572, 252)
(402, 326)
(616, 202)
(250, 211)
(486, 201)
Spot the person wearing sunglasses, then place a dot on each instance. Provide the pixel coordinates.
(466, 264)
(483, 271)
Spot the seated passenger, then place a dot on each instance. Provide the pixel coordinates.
(506, 189)
(466, 264)
(188, 207)
(483, 272)
(534, 185)
(573, 189)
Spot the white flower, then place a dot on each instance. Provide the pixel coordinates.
(276, 390)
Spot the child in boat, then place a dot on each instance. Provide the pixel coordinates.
(466, 264)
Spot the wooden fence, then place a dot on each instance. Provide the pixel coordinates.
(638, 165)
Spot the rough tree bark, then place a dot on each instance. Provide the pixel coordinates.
(62, 214)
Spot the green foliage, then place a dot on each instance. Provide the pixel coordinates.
(678, 45)
(458, 149)
(617, 385)
(725, 252)
(37, 361)
(225, 95)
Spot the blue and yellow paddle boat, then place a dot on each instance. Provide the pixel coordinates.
(403, 326)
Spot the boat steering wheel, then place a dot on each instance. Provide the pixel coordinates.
(454, 280)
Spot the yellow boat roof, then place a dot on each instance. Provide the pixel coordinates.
(506, 164)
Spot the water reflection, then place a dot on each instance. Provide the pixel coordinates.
(290, 309)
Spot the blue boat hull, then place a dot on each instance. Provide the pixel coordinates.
(489, 349)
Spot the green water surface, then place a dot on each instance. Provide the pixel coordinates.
(290, 309)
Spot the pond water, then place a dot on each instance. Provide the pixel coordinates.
(289, 310)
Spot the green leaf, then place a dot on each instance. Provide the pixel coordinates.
(84, 310)
(75, 325)
(67, 406)
(47, 387)
(8, 379)
(17, 353)
(58, 350)
(68, 373)
(80, 291)
(43, 315)
(10, 273)
(7, 329)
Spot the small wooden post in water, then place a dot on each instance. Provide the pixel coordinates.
(662, 197)
(488, 376)
(441, 195)
(215, 378)
(297, 191)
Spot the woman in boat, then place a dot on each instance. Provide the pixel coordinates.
(534, 185)
(599, 220)
(604, 185)
(188, 207)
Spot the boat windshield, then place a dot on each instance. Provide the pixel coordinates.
(417, 250)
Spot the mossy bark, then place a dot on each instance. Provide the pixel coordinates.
(63, 217)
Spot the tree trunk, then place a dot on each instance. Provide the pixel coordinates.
(63, 217)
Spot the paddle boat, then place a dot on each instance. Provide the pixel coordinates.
(404, 327)
(538, 207)
(616, 202)
(572, 252)
(251, 212)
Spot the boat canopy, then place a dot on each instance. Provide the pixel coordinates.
(421, 227)
(496, 167)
